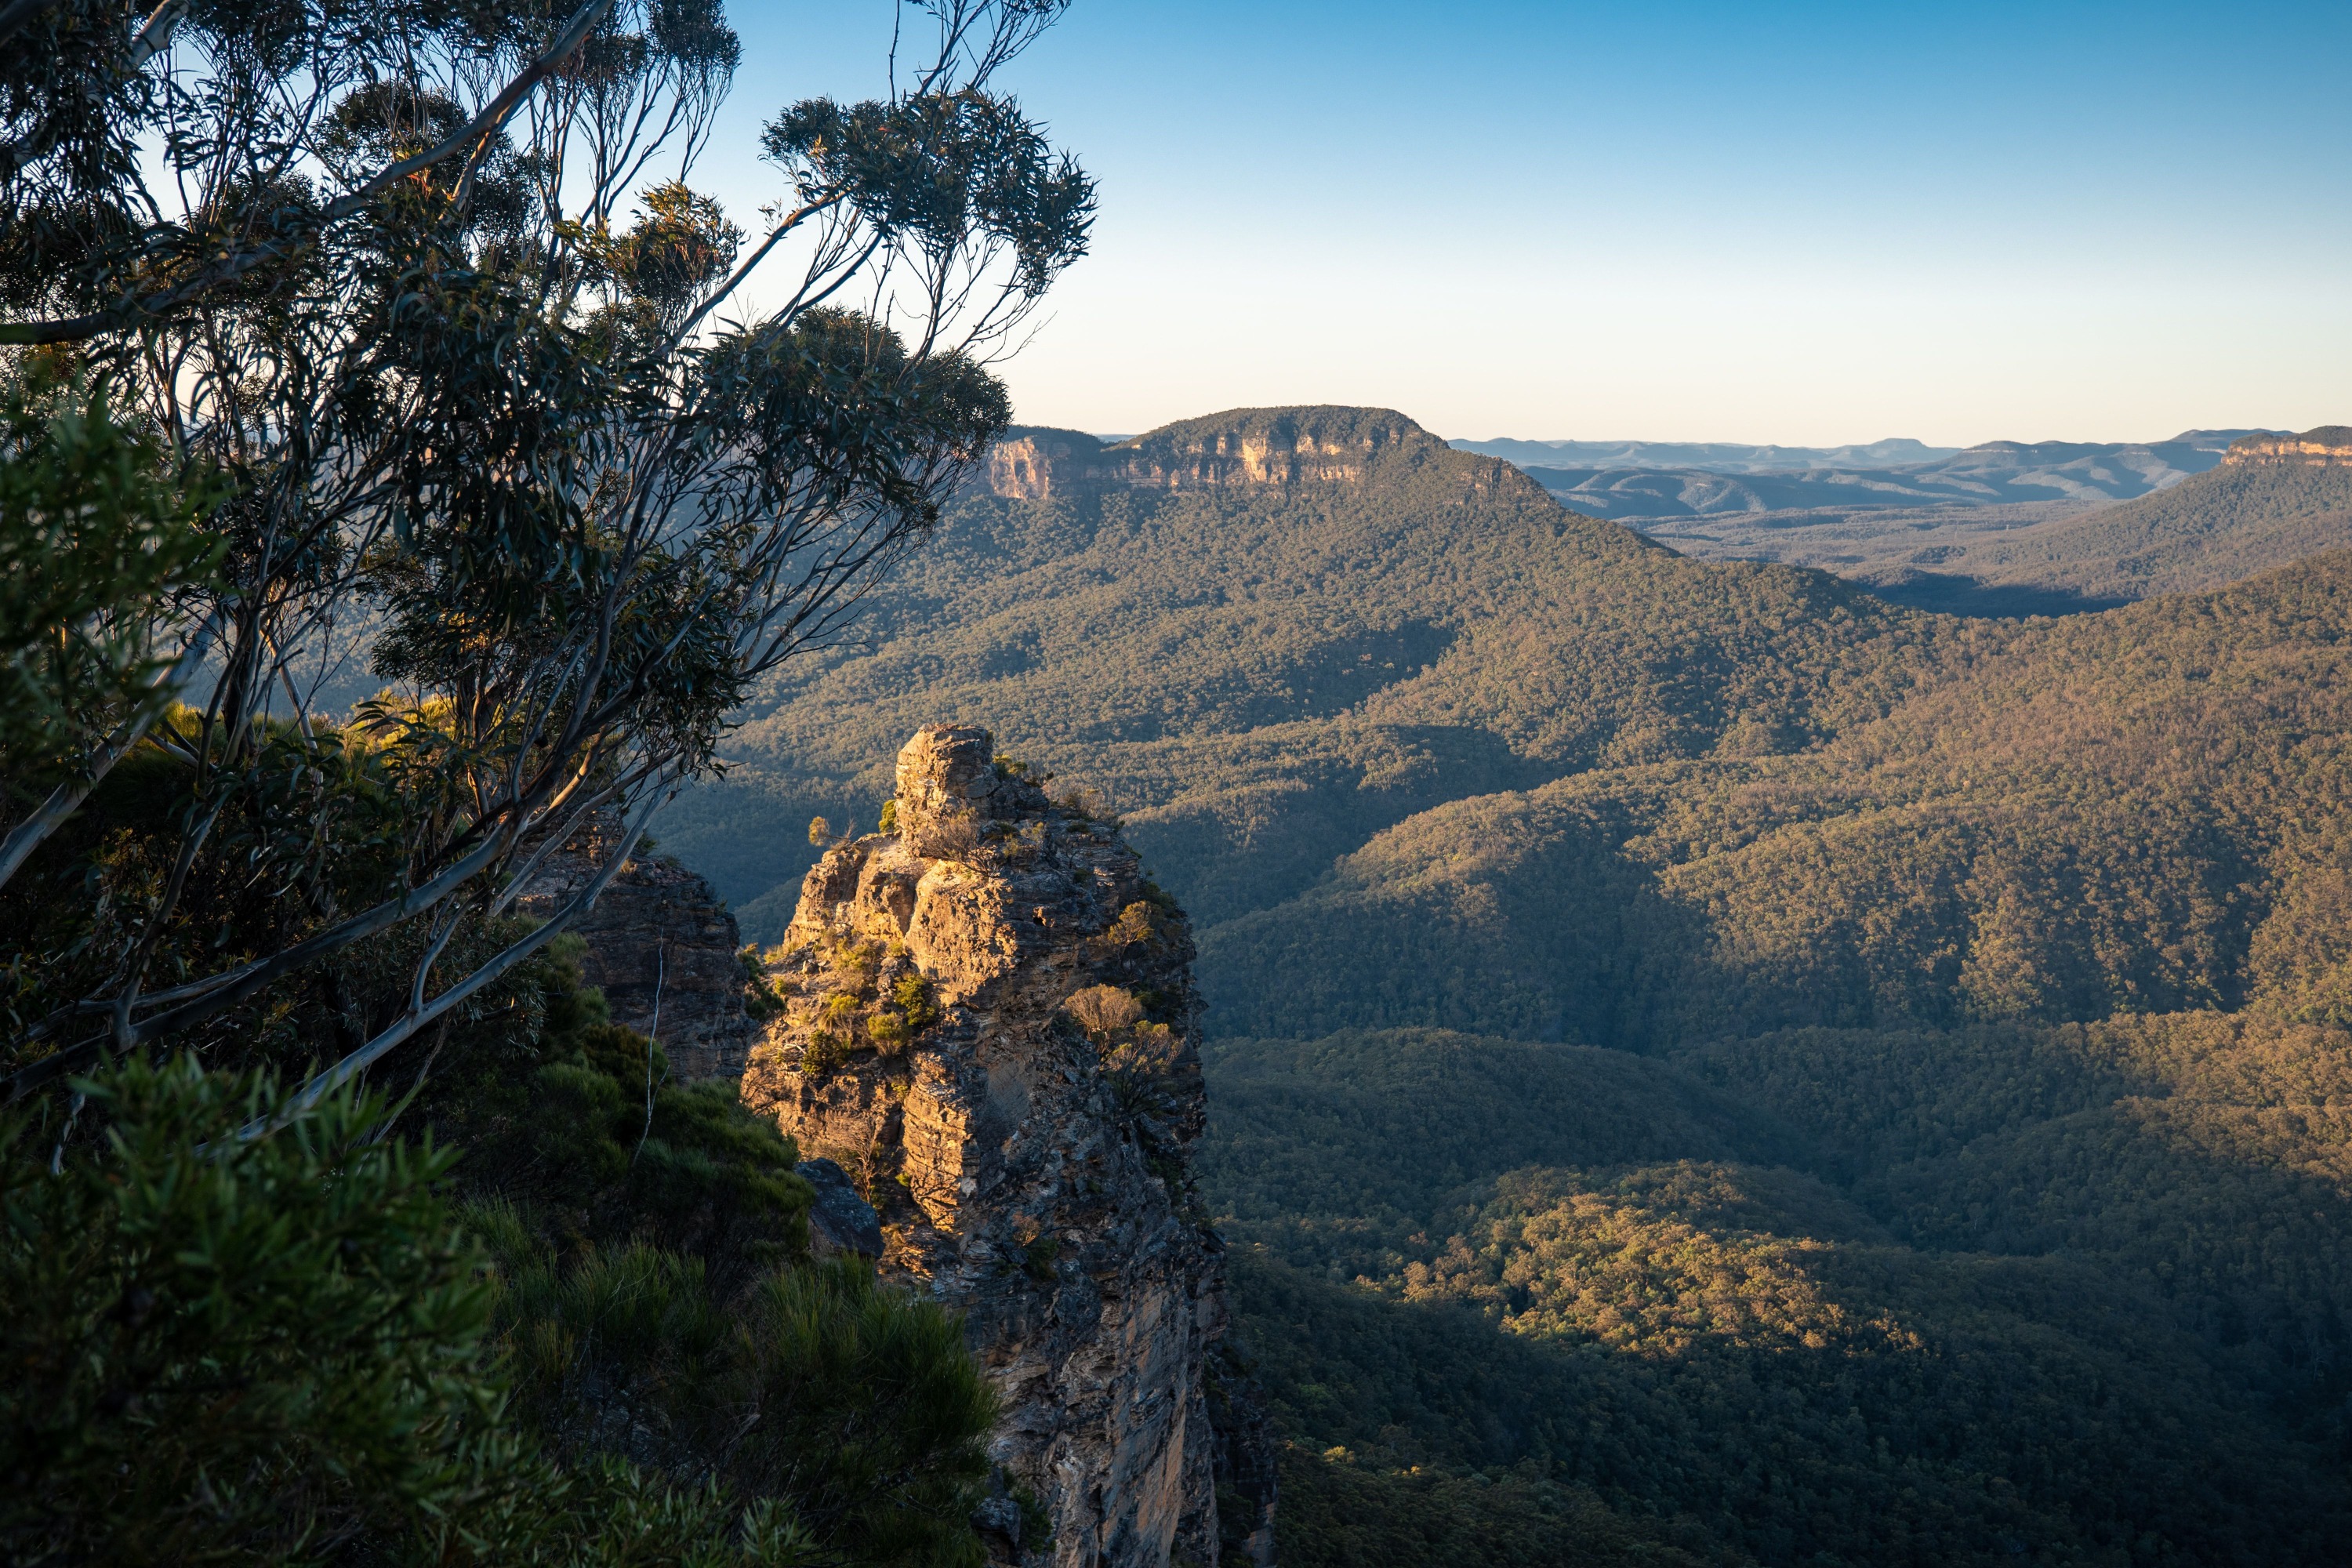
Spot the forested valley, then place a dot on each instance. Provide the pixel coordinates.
(1702, 1064)
(1711, 1066)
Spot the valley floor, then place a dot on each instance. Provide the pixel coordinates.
(1902, 555)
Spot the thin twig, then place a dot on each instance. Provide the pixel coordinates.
(653, 1030)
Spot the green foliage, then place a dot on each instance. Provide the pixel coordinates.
(267, 1346)
(227, 1345)
(473, 434)
(586, 1130)
(815, 1385)
(761, 999)
(1802, 1293)
(97, 541)
(916, 999)
(479, 443)
(613, 1514)
(872, 1417)
(828, 1049)
(1338, 1513)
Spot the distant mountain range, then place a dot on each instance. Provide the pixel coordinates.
(1738, 457)
(2272, 500)
(1714, 456)
(1627, 481)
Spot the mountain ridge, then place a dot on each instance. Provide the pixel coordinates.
(1906, 1046)
(1240, 446)
(2273, 498)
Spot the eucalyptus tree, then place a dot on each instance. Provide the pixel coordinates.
(408, 331)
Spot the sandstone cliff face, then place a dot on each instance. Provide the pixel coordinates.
(2328, 447)
(1240, 448)
(1031, 465)
(1031, 1159)
(663, 949)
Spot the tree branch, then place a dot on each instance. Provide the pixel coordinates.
(415, 1018)
(65, 799)
(229, 268)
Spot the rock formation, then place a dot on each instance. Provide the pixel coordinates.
(2328, 447)
(988, 1019)
(1245, 448)
(663, 949)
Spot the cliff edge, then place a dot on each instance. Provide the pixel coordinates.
(662, 949)
(2327, 447)
(987, 1016)
(1241, 449)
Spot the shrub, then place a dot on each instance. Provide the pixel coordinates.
(238, 1346)
(865, 1409)
(1134, 925)
(1140, 1066)
(762, 998)
(917, 999)
(952, 837)
(1103, 1010)
(825, 1052)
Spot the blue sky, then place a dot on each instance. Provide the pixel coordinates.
(1797, 222)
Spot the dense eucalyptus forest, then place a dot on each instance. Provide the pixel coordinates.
(1706, 1065)
(389, 342)
(1714, 1067)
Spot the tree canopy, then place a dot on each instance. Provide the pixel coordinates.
(392, 343)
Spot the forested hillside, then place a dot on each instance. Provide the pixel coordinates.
(2005, 1293)
(1716, 1067)
(1264, 676)
(2209, 530)
(2000, 530)
(2138, 811)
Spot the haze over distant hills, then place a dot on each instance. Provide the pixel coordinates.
(2272, 500)
(1714, 456)
(2004, 528)
(1635, 480)
(1737, 457)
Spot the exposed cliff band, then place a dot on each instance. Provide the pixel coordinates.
(1243, 447)
(987, 1016)
(2328, 447)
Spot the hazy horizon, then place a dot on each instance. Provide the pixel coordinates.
(1774, 226)
(1497, 437)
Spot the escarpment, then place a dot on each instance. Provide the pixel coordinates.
(1243, 448)
(2327, 447)
(986, 1015)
